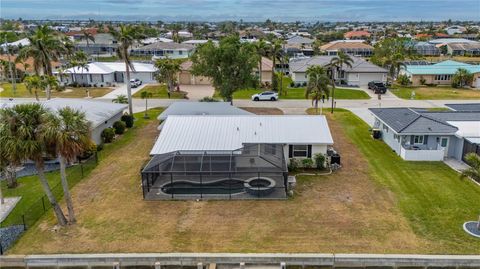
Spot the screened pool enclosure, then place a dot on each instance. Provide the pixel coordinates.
(256, 171)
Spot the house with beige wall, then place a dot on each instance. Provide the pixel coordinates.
(440, 73)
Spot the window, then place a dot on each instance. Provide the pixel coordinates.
(443, 77)
(396, 137)
(300, 150)
(385, 128)
(418, 139)
(271, 149)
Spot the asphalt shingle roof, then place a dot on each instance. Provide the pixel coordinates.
(406, 120)
(465, 107)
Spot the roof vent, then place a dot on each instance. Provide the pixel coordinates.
(238, 129)
(255, 133)
(260, 123)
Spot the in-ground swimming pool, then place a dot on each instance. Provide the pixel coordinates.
(223, 186)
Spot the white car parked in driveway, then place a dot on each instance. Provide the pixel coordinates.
(265, 96)
(135, 83)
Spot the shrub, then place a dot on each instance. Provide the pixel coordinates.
(307, 163)
(319, 161)
(108, 135)
(292, 84)
(403, 80)
(304, 84)
(119, 127)
(208, 99)
(89, 151)
(99, 147)
(293, 165)
(128, 120)
(423, 81)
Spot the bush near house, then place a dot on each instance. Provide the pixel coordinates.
(307, 163)
(108, 135)
(128, 119)
(319, 161)
(403, 80)
(119, 127)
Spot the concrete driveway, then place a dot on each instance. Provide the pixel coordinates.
(197, 92)
(121, 89)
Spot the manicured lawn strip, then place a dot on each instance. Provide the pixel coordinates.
(21, 91)
(299, 93)
(430, 194)
(435, 93)
(31, 191)
(160, 91)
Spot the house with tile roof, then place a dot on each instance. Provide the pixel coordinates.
(421, 135)
(356, 35)
(351, 47)
(440, 73)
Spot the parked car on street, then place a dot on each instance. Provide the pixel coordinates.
(265, 96)
(377, 86)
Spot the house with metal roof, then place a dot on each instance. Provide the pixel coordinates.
(440, 73)
(102, 74)
(160, 50)
(359, 74)
(420, 135)
(202, 109)
(230, 156)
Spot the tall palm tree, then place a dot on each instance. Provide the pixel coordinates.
(336, 65)
(68, 133)
(22, 134)
(45, 47)
(276, 53)
(318, 84)
(262, 48)
(175, 29)
(87, 36)
(126, 35)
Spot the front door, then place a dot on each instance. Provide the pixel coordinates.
(444, 144)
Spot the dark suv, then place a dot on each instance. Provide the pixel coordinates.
(377, 87)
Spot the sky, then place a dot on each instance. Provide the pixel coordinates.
(248, 10)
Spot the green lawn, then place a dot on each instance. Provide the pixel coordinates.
(21, 91)
(160, 91)
(31, 191)
(299, 93)
(435, 93)
(430, 194)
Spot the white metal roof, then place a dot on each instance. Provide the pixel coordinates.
(231, 132)
(466, 128)
(110, 67)
(201, 108)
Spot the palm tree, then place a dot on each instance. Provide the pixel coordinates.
(87, 36)
(121, 99)
(462, 78)
(146, 95)
(276, 53)
(78, 61)
(126, 35)
(69, 134)
(34, 83)
(318, 84)
(22, 134)
(167, 71)
(395, 62)
(337, 64)
(175, 29)
(44, 48)
(262, 48)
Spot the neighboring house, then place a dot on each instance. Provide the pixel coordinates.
(418, 135)
(106, 74)
(101, 115)
(359, 74)
(351, 47)
(23, 67)
(104, 45)
(440, 73)
(460, 49)
(464, 107)
(197, 42)
(15, 44)
(185, 76)
(182, 34)
(455, 29)
(299, 45)
(356, 35)
(426, 49)
(160, 50)
(151, 40)
(201, 108)
(267, 66)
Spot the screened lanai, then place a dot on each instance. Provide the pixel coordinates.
(256, 171)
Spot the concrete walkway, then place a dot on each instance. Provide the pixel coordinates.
(121, 90)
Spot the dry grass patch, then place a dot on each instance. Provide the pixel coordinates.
(344, 212)
(264, 110)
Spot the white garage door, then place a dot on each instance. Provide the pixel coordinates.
(365, 78)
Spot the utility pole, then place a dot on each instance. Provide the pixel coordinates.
(7, 50)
